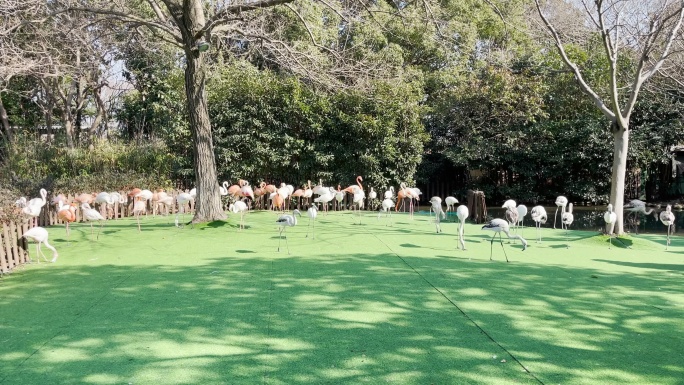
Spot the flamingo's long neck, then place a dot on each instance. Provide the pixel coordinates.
(358, 181)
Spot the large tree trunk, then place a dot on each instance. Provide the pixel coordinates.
(617, 188)
(208, 203)
(5, 121)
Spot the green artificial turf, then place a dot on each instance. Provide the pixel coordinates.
(366, 303)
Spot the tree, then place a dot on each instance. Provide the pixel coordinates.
(637, 39)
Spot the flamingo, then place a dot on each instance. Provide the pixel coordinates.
(372, 196)
(539, 216)
(387, 205)
(312, 213)
(287, 221)
(92, 215)
(183, 199)
(139, 207)
(241, 208)
(561, 202)
(325, 198)
(668, 219)
(308, 192)
(359, 195)
(566, 220)
(450, 203)
(103, 200)
(636, 206)
(339, 197)
(67, 213)
(35, 206)
(522, 211)
(223, 188)
(246, 190)
(167, 202)
(499, 226)
(405, 192)
(437, 206)
(389, 194)
(462, 214)
(511, 212)
(610, 217)
(298, 193)
(259, 193)
(40, 235)
(434, 202)
(319, 189)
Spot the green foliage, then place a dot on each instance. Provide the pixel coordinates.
(276, 128)
(107, 166)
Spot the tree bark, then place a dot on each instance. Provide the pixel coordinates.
(5, 121)
(617, 186)
(207, 202)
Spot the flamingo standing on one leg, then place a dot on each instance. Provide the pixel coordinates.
(139, 207)
(183, 200)
(566, 219)
(92, 215)
(239, 207)
(67, 213)
(499, 226)
(610, 218)
(462, 214)
(287, 221)
(561, 203)
(40, 235)
(539, 216)
(668, 219)
(312, 213)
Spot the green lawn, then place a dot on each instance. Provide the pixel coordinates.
(363, 303)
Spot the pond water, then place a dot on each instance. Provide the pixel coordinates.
(589, 218)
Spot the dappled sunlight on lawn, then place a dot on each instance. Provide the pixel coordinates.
(211, 305)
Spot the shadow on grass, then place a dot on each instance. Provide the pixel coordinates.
(250, 317)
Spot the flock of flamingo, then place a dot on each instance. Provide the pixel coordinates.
(242, 193)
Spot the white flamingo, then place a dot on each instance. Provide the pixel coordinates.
(566, 219)
(312, 213)
(35, 206)
(522, 211)
(40, 236)
(91, 215)
(372, 196)
(287, 221)
(610, 218)
(561, 203)
(239, 207)
(387, 205)
(462, 214)
(499, 226)
(539, 216)
(450, 203)
(325, 198)
(667, 217)
(183, 199)
(436, 203)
